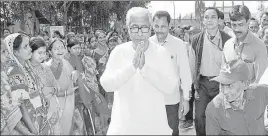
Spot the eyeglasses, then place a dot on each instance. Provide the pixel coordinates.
(136, 29)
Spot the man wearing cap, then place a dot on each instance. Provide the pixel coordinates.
(239, 108)
(245, 46)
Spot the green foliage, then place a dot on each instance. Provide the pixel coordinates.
(95, 14)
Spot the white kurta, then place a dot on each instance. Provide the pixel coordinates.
(264, 78)
(139, 106)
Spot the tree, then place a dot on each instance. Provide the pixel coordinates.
(92, 14)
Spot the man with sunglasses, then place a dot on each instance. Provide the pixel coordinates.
(180, 60)
(139, 73)
(239, 107)
(245, 46)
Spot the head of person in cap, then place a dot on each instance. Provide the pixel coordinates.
(238, 105)
(233, 79)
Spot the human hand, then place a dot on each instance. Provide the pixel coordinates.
(185, 107)
(71, 90)
(142, 61)
(137, 56)
(74, 75)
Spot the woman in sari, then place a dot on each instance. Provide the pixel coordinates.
(49, 83)
(25, 87)
(65, 76)
(82, 96)
(10, 111)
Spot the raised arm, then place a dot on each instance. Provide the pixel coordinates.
(119, 70)
(162, 76)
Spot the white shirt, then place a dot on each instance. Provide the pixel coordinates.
(178, 50)
(139, 106)
(264, 78)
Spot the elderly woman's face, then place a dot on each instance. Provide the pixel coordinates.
(24, 52)
(58, 50)
(4, 52)
(139, 28)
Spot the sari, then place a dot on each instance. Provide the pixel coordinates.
(99, 106)
(10, 112)
(24, 86)
(65, 103)
(49, 87)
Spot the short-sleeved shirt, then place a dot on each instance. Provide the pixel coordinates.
(222, 119)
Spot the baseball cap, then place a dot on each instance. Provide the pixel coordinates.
(235, 70)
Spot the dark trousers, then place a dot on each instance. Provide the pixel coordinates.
(206, 92)
(189, 115)
(173, 120)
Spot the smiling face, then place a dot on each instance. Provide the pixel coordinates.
(24, 52)
(57, 50)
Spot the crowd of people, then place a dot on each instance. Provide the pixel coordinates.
(142, 83)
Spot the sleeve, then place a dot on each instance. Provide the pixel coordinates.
(192, 61)
(18, 85)
(117, 71)
(261, 62)
(185, 71)
(162, 76)
(212, 124)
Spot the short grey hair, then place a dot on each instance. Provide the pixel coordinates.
(136, 10)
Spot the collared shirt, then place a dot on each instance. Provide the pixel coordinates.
(264, 78)
(139, 105)
(252, 51)
(212, 55)
(221, 119)
(180, 59)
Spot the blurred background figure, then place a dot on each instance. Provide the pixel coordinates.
(254, 26)
(264, 36)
